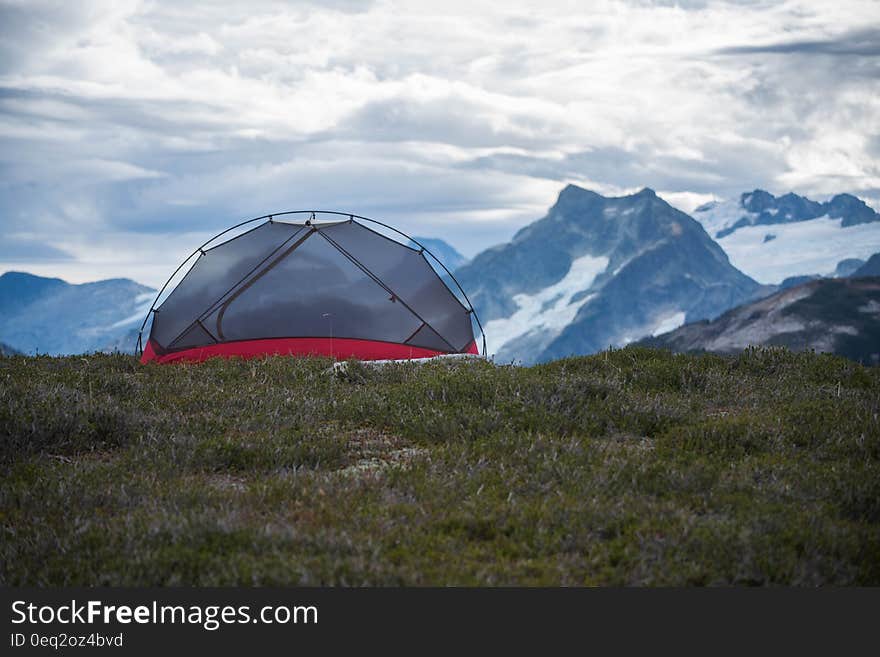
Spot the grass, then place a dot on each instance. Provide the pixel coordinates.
(630, 467)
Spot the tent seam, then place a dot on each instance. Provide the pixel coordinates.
(388, 289)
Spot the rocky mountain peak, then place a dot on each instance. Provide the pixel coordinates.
(851, 209)
(596, 271)
(757, 200)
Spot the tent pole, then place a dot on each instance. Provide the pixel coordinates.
(313, 213)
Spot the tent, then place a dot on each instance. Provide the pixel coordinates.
(341, 288)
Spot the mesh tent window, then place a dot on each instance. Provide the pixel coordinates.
(291, 283)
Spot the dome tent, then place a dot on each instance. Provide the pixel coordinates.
(298, 285)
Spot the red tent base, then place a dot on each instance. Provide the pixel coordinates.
(338, 348)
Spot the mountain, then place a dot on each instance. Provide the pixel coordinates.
(773, 238)
(50, 316)
(840, 315)
(761, 208)
(443, 251)
(18, 289)
(870, 268)
(6, 350)
(789, 282)
(848, 267)
(599, 271)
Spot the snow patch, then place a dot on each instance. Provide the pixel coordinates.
(668, 323)
(145, 300)
(721, 215)
(801, 248)
(551, 309)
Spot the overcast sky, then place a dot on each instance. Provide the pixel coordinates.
(130, 131)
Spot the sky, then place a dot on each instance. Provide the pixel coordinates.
(131, 131)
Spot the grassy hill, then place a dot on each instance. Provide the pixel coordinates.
(627, 467)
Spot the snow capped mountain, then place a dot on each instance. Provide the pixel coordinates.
(50, 316)
(552, 308)
(840, 316)
(599, 271)
(773, 238)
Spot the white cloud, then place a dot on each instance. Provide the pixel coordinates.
(139, 118)
(686, 201)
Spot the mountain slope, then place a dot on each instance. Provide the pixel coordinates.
(599, 271)
(839, 316)
(18, 289)
(443, 251)
(50, 316)
(870, 268)
(848, 267)
(773, 238)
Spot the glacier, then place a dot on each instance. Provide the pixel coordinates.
(803, 248)
(551, 309)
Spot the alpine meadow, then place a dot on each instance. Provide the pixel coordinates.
(627, 467)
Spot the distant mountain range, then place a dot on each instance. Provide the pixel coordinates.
(594, 272)
(599, 271)
(774, 238)
(443, 251)
(841, 316)
(50, 316)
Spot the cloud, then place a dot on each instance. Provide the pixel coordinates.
(856, 43)
(456, 115)
(17, 249)
(130, 130)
